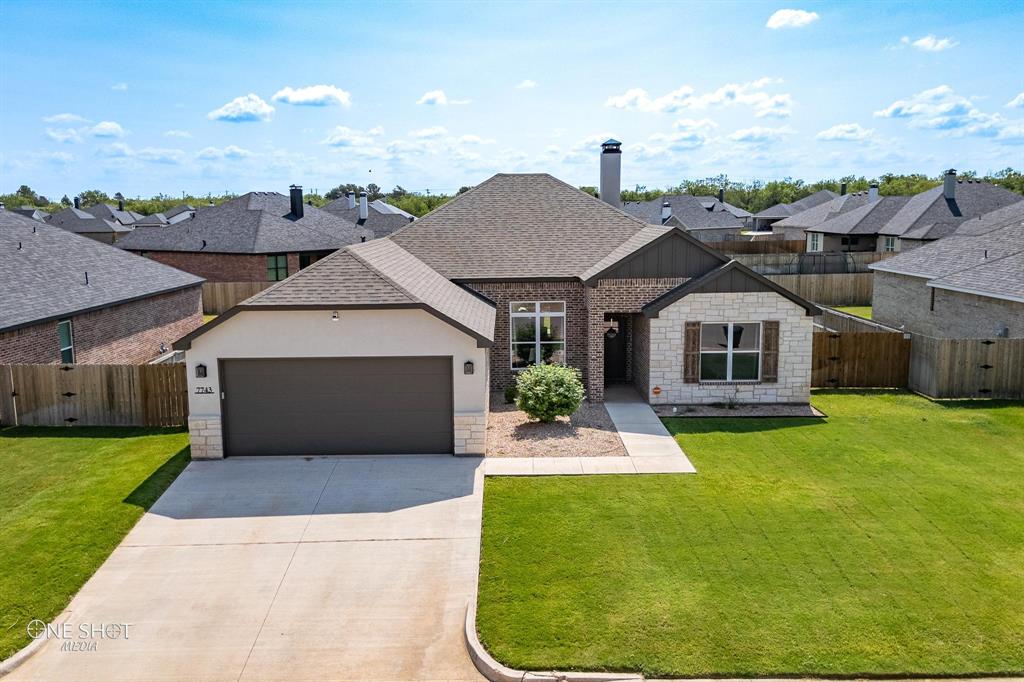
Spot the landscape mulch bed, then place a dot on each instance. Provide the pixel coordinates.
(588, 433)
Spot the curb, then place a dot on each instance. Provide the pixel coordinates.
(496, 672)
(9, 665)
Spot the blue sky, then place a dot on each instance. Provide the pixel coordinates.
(205, 97)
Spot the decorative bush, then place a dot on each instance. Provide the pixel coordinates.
(510, 394)
(547, 391)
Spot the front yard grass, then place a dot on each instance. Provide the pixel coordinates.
(858, 310)
(887, 539)
(67, 498)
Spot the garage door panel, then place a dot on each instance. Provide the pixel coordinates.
(321, 406)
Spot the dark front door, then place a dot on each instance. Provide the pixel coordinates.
(615, 351)
(337, 406)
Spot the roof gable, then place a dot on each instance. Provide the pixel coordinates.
(660, 252)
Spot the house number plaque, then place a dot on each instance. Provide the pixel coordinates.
(204, 390)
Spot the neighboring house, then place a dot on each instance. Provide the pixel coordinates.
(155, 219)
(257, 237)
(707, 220)
(380, 217)
(794, 227)
(32, 212)
(82, 222)
(765, 219)
(68, 299)
(394, 345)
(720, 204)
(116, 214)
(855, 230)
(967, 285)
(179, 213)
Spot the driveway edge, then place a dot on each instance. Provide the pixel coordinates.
(12, 663)
(496, 672)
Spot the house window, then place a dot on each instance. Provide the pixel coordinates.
(537, 332)
(730, 351)
(890, 244)
(307, 259)
(277, 267)
(66, 338)
(814, 241)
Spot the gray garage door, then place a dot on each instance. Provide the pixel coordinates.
(332, 406)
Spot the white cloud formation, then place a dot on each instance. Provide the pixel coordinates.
(178, 133)
(59, 158)
(430, 133)
(953, 115)
(433, 98)
(107, 129)
(65, 118)
(63, 135)
(526, 85)
(929, 43)
(760, 135)
(120, 87)
(160, 155)
(343, 136)
(1016, 102)
(115, 150)
(314, 96)
(243, 109)
(846, 132)
(230, 152)
(791, 18)
(474, 140)
(750, 94)
(689, 134)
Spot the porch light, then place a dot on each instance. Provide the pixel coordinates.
(611, 333)
(200, 371)
(467, 368)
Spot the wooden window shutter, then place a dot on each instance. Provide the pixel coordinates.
(770, 353)
(691, 353)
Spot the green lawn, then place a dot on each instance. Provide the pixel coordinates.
(67, 498)
(858, 310)
(887, 539)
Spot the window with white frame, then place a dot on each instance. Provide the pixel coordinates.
(890, 244)
(537, 332)
(814, 241)
(730, 351)
(66, 338)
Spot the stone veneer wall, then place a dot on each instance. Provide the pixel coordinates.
(471, 433)
(206, 438)
(795, 338)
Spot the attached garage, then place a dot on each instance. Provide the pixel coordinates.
(337, 406)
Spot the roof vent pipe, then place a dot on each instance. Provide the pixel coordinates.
(949, 184)
(78, 202)
(364, 209)
(842, 189)
(611, 173)
(296, 197)
(666, 212)
(351, 196)
(721, 195)
(873, 192)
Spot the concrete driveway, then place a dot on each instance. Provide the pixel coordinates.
(331, 568)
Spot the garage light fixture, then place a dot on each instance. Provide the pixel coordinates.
(468, 367)
(200, 371)
(334, 316)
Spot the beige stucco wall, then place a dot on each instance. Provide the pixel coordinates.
(795, 339)
(358, 333)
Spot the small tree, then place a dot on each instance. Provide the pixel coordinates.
(547, 391)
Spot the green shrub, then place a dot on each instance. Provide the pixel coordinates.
(547, 391)
(510, 394)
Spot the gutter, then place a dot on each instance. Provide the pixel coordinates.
(977, 292)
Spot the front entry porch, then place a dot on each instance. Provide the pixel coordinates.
(625, 346)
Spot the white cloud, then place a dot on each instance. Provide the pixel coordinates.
(65, 118)
(474, 139)
(178, 133)
(230, 152)
(242, 109)
(760, 135)
(953, 115)
(120, 87)
(1016, 102)
(376, 131)
(160, 155)
(689, 134)
(63, 135)
(107, 129)
(59, 158)
(314, 96)
(846, 132)
(115, 150)
(433, 98)
(791, 18)
(429, 133)
(343, 136)
(929, 43)
(750, 94)
(526, 85)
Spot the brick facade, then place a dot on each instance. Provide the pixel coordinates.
(215, 267)
(129, 333)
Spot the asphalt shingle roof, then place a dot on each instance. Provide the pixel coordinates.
(257, 222)
(687, 209)
(516, 226)
(826, 210)
(108, 212)
(46, 277)
(865, 219)
(929, 215)
(82, 222)
(381, 221)
(725, 206)
(786, 210)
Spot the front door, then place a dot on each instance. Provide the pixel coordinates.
(615, 350)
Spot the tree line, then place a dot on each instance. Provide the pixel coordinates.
(752, 196)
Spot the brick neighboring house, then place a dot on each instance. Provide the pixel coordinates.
(967, 285)
(408, 334)
(257, 237)
(378, 216)
(69, 299)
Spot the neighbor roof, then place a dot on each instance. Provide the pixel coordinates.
(986, 258)
(724, 206)
(865, 219)
(375, 274)
(44, 273)
(929, 215)
(82, 222)
(382, 218)
(786, 210)
(180, 208)
(689, 210)
(154, 219)
(32, 212)
(108, 212)
(257, 222)
(518, 226)
(826, 210)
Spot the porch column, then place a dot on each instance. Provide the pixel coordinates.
(595, 355)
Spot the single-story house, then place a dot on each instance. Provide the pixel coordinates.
(80, 221)
(855, 230)
(257, 237)
(763, 220)
(705, 220)
(718, 203)
(380, 217)
(793, 227)
(32, 212)
(117, 213)
(179, 213)
(394, 345)
(967, 285)
(68, 299)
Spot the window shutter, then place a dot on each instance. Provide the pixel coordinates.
(770, 353)
(691, 353)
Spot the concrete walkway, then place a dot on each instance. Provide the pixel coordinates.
(649, 447)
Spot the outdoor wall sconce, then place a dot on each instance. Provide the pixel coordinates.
(468, 367)
(200, 371)
(334, 316)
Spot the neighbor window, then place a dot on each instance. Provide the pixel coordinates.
(730, 351)
(66, 338)
(537, 332)
(814, 241)
(277, 267)
(307, 259)
(889, 244)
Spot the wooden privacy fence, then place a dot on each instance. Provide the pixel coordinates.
(93, 395)
(837, 321)
(859, 360)
(840, 289)
(967, 368)
(219, 296)
(810, 263)
(761, 246)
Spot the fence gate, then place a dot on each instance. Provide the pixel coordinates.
(860, 360)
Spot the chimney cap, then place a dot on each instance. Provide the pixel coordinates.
(294, 186)
(611, 142)
(362, 194)
(951, 171)
(665, 203)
